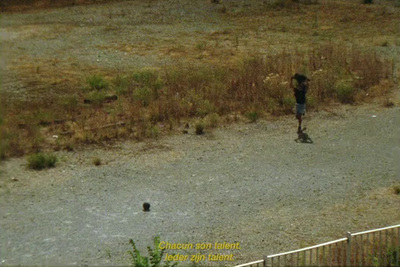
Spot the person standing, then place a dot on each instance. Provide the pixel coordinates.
(300, 91)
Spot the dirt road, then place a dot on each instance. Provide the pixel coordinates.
(247, 183)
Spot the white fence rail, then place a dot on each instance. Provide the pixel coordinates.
(378, 247)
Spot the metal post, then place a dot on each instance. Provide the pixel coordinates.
(397, 247)
(348, 250)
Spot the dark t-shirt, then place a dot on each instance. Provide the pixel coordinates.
(300, 94)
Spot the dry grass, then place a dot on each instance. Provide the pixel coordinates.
(243, 68)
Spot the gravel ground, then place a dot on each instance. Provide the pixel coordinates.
(247, 183)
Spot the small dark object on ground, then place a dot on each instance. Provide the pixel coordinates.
(107, 99)
(199, 128)
(146, 206)
(97, 161)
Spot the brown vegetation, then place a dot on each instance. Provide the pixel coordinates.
(148, 102)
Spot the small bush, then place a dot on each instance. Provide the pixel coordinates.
(199, 126)
(155, 256)
(368, 1)
(345, 92)
(253, 116)
(40, 161)
(97, 82)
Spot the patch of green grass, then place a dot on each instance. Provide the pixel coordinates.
(97, 82)
(41, 161)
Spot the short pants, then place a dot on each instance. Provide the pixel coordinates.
(300, 109)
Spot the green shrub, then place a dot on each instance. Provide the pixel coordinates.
(199, 126)
(253, 116)
(154, 259)
(40, 161)
(97, 82)
(345, 92)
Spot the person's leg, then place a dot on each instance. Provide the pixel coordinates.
(298, 116)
